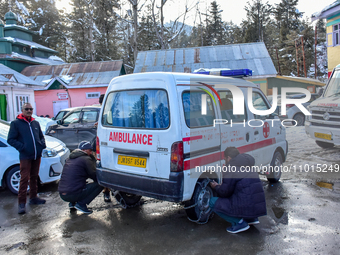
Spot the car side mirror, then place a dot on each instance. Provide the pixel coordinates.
(59, 122)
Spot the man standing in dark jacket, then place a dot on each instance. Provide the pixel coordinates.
(25, 135)
(80, 166)
(241, 198)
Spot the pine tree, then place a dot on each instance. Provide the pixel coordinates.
(106, 36)
(233, 33)
(79, 32)
(258, 18)
(46, 21)
(214, 30)
(287, 17)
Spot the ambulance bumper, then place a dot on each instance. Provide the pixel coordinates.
(164, 189)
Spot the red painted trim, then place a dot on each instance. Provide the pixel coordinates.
(329, 74)
(207, 159)
(255, 146)
(192, 138)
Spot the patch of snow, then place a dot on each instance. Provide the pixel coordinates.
(55, 58)
(47, 81)
(10, 39)
(66, 78)
(22, 8)
(210, 69)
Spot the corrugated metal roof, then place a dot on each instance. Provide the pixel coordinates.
(4, 70)
(76, 74)
(233, 56)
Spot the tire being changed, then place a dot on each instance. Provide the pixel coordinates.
(201, 198)
(275, 173)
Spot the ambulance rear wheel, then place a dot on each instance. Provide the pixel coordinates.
(201, 212)
(324, 145)
(130, 199)
(275, 170)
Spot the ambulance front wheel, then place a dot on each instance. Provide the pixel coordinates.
(275, 170)
(198, 207)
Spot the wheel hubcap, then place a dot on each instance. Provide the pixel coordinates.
(15, 180)
(203, 200)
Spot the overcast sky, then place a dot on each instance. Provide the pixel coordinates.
(233, 10)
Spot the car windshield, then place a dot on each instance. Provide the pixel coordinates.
(60, 115)
(333, 87)
(4, 129)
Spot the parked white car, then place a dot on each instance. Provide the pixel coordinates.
(293, 112)
(51, 166)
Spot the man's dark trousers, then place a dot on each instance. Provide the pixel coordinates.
(29, 170)
(85, 196)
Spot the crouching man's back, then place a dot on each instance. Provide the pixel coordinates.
(73, 188)
(240, 198)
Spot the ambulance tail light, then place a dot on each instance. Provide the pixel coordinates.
(97, 148)
(176, 161)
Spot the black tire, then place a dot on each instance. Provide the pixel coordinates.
(201, 197)
(13, 180)
(275, 172)
(324, 145)
(300, 119)
(130, 199)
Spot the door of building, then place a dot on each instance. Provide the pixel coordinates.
(59, 105)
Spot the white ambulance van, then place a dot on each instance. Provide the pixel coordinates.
(323, 125)
(157, 139)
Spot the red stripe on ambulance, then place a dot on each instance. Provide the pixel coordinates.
(192, 138)
(207, 159)
(121, 137)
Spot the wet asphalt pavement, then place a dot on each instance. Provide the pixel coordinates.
(303, 218)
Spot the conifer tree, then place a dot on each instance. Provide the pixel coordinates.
(214, 30)
(46, 20)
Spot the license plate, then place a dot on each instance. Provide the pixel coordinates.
(131, 161)
(323, 136)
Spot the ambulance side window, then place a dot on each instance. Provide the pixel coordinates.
(192, 104)
(227, 108)
(259, 104)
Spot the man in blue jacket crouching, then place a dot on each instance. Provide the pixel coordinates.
(241, 198)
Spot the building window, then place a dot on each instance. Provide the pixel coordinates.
(20, 100)
(93, 95)
(336, 32)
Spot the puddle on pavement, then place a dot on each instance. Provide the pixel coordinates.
(325, 185)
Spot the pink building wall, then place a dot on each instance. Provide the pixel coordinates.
(77, 97)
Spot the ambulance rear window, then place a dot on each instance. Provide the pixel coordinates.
(147, 109)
